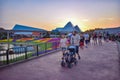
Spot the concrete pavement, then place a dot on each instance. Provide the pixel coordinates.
(97, 63)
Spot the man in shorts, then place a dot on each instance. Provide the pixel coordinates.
(75, 40)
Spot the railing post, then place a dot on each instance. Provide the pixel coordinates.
(7, 56)
(56, 45)
(46, 47)
(26, 53)
(8, 37)
(37, 50)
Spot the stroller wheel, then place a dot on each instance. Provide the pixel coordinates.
(75, 61)
(63, 64)
(69, 65)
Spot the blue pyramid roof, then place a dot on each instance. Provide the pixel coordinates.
(68, 27)
(77, 28)
(22, 27)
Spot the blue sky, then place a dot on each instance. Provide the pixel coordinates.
(49, 14)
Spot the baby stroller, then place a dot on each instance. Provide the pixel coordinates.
(69, 58)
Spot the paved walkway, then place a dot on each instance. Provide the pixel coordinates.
(97, 63)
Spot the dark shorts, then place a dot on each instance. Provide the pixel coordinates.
(86, 41)
(77, 49)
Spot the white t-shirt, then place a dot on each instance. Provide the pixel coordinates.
(63, 42)
(75, 40)
(86, 36)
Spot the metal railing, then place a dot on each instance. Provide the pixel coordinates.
(21, 53)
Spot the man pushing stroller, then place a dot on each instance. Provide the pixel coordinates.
(75, 41)
(69, 52)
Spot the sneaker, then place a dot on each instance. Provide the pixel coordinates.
(78, 57)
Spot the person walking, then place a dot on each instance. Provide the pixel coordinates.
(94, 37)
(75, 40)
(86, 36)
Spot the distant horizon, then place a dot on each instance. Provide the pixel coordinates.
(50, 14)
(59, 27)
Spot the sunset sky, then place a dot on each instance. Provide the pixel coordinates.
(49, 14)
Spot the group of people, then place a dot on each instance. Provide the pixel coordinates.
(74, 39)
(99, 37)
(84, 40)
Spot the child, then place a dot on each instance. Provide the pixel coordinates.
(81, 41)
(63, 43)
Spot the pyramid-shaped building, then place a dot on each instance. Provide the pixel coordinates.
(68, 28)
